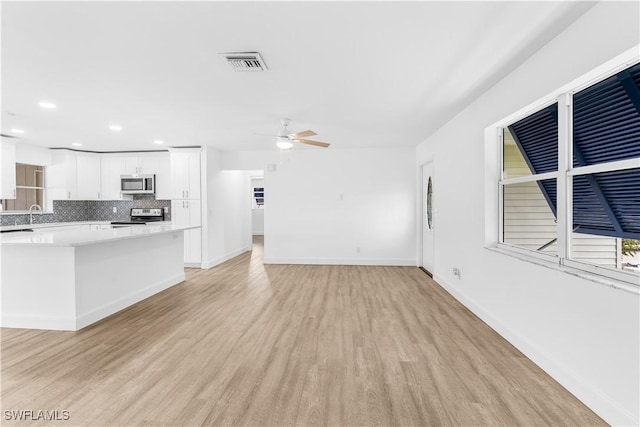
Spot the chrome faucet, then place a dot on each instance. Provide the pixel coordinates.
(31, 212)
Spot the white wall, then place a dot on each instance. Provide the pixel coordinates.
(227, 212)
(584, 334)
(323, 205)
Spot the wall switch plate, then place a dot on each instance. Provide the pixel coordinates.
(166, 209)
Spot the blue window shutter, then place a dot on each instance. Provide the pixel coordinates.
(537, 138)
(606, 128)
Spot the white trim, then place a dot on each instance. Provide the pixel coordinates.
(534, 258)
(596, 399)
(606, 167)
(38, 322)
(530, 178)
(564, 198)
(546, 257)
(402, 262)
(219, 260)
(113, 307)
(608, 272)
(90, 317)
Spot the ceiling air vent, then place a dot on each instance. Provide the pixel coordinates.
(245, 61)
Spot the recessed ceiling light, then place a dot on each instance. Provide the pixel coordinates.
(157, 141)
(76, 144)
(17, 131)
(116, 128)
(48, 105)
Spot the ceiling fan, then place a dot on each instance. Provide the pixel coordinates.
(285, 139)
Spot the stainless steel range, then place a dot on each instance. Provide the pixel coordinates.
(141, 216)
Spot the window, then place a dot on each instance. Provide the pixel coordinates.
(29, 188)
(569, 187)
(258, 197)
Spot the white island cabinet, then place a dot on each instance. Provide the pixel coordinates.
(69, 279)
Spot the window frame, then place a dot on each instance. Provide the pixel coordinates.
(43, 188)
(494, 173)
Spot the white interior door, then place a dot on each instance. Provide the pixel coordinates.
(428, 217)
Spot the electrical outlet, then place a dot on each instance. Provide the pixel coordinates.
(166, 209)
(115, 209)
(457, 272)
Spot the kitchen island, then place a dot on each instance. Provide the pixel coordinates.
(65, 279)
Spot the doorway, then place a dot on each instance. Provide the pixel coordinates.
(428, 219)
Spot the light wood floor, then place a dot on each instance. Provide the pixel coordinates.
(244, 344)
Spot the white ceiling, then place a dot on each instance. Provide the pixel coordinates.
(361, 74)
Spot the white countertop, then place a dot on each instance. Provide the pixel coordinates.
(64, 224)
(48, 235)
(50, 225)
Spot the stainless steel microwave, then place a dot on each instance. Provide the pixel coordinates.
(137, 184)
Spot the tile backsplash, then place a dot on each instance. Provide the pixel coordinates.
(89, 210)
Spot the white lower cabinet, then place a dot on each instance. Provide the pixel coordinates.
(187, 213)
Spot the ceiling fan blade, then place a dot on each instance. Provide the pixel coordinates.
(316, 143)
(302, 134)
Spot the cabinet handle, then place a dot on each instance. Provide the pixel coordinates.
(187, 194)
(69, 195)
(98, 194)
(187, 204)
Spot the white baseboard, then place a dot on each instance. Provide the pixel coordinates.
(38, 322)
(341, 261)
(226, 257)
(99, 313)
(599, 402)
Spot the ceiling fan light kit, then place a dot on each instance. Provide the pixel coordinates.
(283, 143)
(285, 140)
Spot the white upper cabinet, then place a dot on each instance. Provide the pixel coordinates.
(62, 178)
(163, 177)
(74, 176)
(143, 164)
(8, 164)
(111, 169)
(115, 165)
(88, 177)
(185, 173)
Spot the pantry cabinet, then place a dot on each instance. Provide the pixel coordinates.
(185, 173)
(187, 213)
